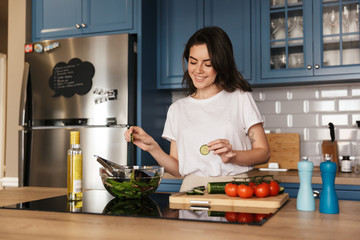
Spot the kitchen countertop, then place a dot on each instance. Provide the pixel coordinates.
(287, 223)
(292, 176)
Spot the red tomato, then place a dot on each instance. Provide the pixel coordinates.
(261, 216)
(245, 217)
(262, 190)
(230, 190)
(274, 188)
(245, 191)
(231, 216)
(252, 185)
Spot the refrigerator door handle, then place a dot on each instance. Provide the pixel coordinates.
(22, 116)
(21, 162)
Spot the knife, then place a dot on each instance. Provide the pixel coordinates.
(332, 132)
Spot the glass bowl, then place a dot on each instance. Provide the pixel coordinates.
(132, 182)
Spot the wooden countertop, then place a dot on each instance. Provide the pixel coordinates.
(287, 223)
(292, 176)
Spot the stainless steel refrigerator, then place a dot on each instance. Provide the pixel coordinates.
(86, 84)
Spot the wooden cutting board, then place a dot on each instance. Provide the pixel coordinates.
(284, 149)
(224, 200)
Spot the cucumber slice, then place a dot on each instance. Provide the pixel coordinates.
(204, 149)
(281, 191)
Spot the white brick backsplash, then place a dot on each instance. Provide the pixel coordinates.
(292, 106)
(349, 105)
(355, 91)
(336, 119)
(258, 95)
(354, 118)
(305, 120)
(267, 107)
(348, 134)
(334, 92)
(305, 93)
(275, 121)
(319, 134)
(344, 149)
(311, 148)
(274, 94)
(322, 106)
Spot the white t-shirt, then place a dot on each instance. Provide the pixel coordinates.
(193, 123)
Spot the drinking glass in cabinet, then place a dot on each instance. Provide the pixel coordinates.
(277, 26)
(331, 20)
(278, 58)
(277, 3)
(350, 18)
(296, 57)
(351, 52)
(295, 24)
(331, 53)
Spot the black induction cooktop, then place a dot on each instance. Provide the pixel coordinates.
(155, 206)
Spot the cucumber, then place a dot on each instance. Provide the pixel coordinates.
(281, 191)
(204, 149)
(216, 214)
(216, 187)
(200, 190)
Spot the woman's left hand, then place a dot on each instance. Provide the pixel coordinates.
(223, 148)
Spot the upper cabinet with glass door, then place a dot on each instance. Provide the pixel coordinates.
(309, 41)
(337, 44)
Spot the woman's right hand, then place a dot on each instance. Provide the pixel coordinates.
(140, 138)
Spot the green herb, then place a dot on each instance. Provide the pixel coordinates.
(138, 185)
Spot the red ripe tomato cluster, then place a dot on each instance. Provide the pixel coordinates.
(242, 217)
(260, 188)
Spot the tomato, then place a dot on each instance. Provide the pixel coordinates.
(274, 188)
(261, 216)
(231, 216)
(245, 191)
(252, 185)
(262, 190)
(230, 190)
(245, 217)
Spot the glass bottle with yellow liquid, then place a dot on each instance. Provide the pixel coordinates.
(74, 168)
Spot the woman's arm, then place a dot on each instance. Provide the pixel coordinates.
(259, 154)
(144, 141)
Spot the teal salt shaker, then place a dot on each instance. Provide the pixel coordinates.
(328, 199)
(305, 198)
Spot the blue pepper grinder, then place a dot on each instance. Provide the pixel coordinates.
(328, 199)
(305, 198)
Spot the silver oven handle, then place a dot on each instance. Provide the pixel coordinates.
(23, 99)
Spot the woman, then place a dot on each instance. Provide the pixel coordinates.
(219, 112)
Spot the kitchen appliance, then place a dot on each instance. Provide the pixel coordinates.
(86, 84)
(156, 206)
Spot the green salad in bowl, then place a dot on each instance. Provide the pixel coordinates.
(132, 182)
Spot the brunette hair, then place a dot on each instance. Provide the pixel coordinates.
(222, 60)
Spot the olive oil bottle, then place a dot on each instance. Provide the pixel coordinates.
(74, 168)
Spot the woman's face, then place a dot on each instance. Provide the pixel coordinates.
(200, 69)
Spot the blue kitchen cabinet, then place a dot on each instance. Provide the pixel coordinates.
(343, 192)
(65, 18)
(170, 185)
(308, 41)
(179, 19)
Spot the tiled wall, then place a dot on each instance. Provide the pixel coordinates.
(307, 110)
